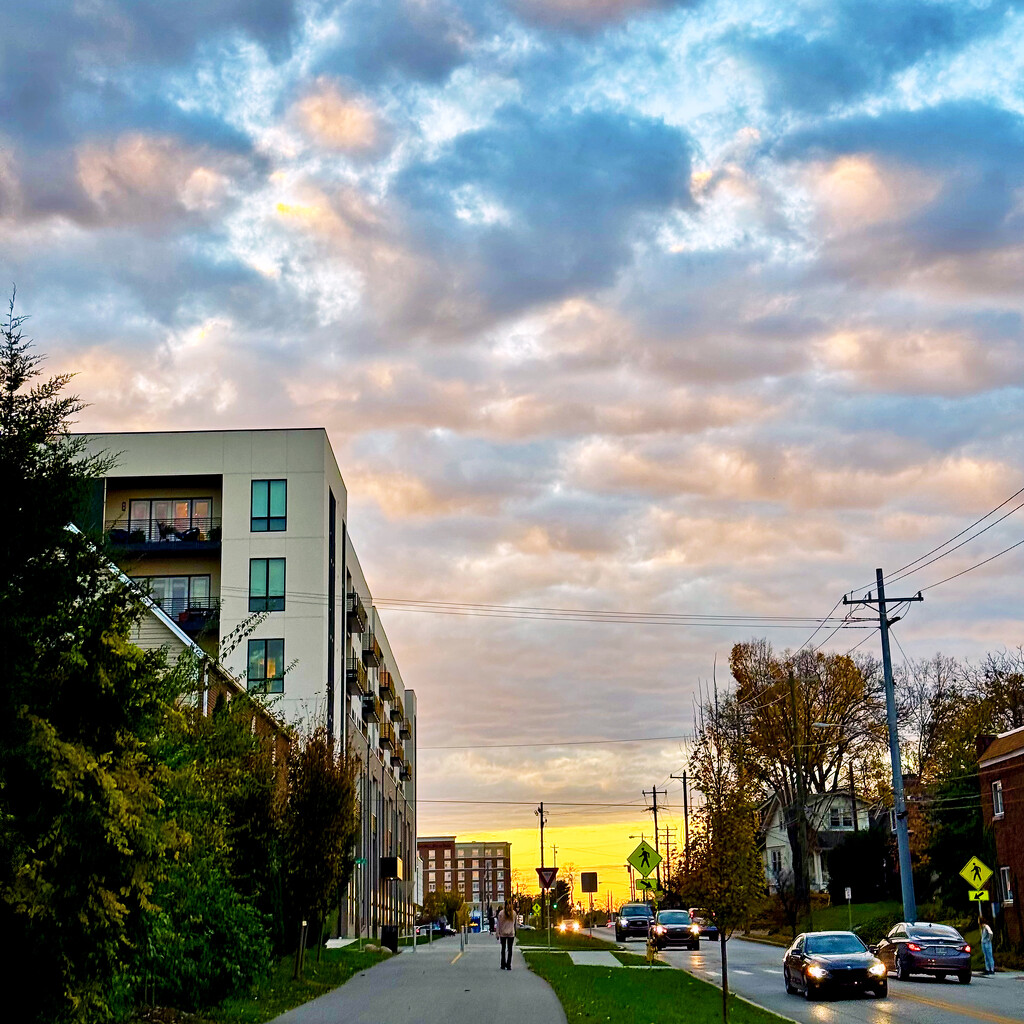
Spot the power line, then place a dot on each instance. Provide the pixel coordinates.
(971, 568)
(558, 743)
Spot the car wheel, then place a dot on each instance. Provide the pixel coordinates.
(941, 976)
(901, 969)
(882, 991)
(695, 947)
(964, 977)
(618, 936)
(790, 988)
(810, 991)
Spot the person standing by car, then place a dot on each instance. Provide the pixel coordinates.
(506, 935)
(986, 946)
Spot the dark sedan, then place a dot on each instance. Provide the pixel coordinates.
(707, 929)
(675, 928)
(634, 921)
(935, 949)
(820, 962)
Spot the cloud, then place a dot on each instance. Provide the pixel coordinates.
(856, 47)
(339, 122)
(534, 207)
(588, 16)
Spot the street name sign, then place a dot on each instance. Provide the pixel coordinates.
(978, 896)
(645, 858)
(976, 873)
(547, 877)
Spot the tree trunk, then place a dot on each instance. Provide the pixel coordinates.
(725, 977)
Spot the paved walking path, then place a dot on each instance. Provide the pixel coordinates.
(437, 983)
(594, 958)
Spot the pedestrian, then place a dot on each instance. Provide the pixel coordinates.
(986, 946)
(506, 935)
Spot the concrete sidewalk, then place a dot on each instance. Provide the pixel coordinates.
(437, 983)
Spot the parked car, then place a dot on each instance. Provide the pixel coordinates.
(820, 962)
(675, 928)
(702, 921)
(634, 921)
(935, 949)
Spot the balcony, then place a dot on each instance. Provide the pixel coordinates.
(406, 774)
(372, 655)
(386, 685)
(164, 536)
(373, 709)
(388, 740)
(356, 681)
(397, 711)
(356, 613)
(405, 729)
(193, 616)
(397, 756)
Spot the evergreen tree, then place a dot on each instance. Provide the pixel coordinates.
(80, 828)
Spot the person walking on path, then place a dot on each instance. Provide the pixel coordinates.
(986, 947)
(506, 935)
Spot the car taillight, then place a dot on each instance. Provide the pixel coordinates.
(965, 949)
(914, 947)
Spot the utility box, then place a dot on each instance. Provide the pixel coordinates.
(389, 937)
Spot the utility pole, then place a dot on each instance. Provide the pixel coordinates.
(853, 800)
(898, 796)
(543, 892)
(654, 801)
(686, 822)
(803, 889)
(554, 854)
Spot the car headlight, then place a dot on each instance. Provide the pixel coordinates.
(877, 969)
(695, 929)
(816, 971)
(660, 929)
(623, 922)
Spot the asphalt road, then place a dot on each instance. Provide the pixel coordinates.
(755, 972)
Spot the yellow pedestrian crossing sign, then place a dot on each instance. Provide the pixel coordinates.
(645, 858)
(976, 873)
(647, 885)
(978, 896)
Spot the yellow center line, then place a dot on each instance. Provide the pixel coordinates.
(967, 1011)
(454, 958)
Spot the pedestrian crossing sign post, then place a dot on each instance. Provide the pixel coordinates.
(978, 896)
(975, 873)
(645, 858)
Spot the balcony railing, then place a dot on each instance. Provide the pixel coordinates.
(356, 612)
(355, 677)
(372, 654)
(405, 729)
(397, 711)
(406, 773)
(190, 533)
(387, 736)
(193, 615)
(373, 709)
(397, 756)
(385, 684)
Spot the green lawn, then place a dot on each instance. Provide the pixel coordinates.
(278, 992)
(636, 960)
(590, 995)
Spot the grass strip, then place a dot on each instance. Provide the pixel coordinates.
(595, 995)
(561, 940)
(636, 960)
(277, 992)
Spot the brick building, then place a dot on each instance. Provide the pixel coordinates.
(437, 855)
(1001, 768)
(481, 871)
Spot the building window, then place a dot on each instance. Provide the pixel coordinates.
(177, 594)
(170, 519)
(776, 863)
(840, 817)
(269, 506)
(448, 877)
(1004, 885)
(266, 584)
(476, 863)
(431, 888)
(266, 666)
(461, 864)
(997, 798)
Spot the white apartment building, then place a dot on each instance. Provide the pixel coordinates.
(221, 526)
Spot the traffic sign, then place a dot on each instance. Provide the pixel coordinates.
(978, 896)
(588, 881)
(547, 877)
(648, 885)
(975, 873)
(645, 858)
(536, 908)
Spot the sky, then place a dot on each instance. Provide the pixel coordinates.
(627, 306)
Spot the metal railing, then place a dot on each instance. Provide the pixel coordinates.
(188, 530)
(355, 677)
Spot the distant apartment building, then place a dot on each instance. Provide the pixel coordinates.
(241, 537)
(481, 871)
(1001, 771)
(437, 855)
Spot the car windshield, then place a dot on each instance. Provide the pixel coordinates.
(834, 944)
(935, 931)
(674, 917)
(635, 912)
